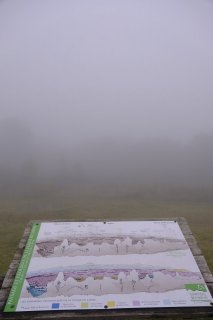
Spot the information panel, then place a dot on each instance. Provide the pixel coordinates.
(114, 264)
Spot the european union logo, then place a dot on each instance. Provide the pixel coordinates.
(55, 305)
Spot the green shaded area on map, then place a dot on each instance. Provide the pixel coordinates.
(196, 287)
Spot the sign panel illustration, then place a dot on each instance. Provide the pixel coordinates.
(114, 264)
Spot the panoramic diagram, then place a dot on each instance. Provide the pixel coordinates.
(107, 245)
(107, 279)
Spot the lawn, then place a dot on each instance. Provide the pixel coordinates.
(17, 211)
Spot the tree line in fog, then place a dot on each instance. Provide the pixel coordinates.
(114, 165)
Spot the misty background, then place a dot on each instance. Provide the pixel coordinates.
(110, 96)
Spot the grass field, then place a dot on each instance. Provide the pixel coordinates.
(16, 212)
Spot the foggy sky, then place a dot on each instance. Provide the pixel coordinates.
(80, 69)
(108, 72)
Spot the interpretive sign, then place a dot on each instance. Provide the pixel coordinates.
(113, 264)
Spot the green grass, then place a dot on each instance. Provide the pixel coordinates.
(16, 212)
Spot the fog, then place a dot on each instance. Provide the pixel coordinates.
(107, 95)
